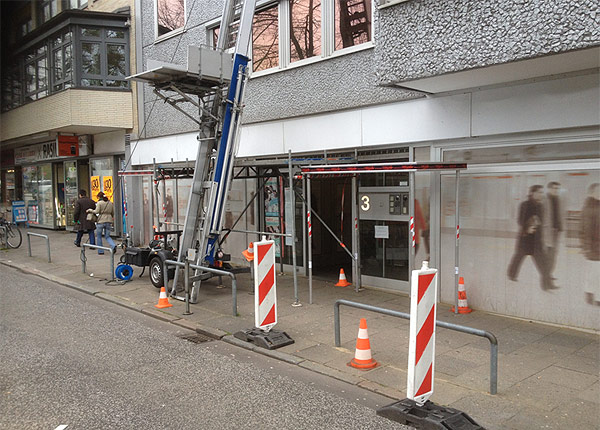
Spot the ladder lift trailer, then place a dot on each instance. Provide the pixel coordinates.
(214, 82)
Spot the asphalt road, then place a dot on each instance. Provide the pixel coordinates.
(72, 359)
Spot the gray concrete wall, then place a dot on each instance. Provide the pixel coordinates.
(341, 82)
(422, 38)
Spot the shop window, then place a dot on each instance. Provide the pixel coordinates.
(305, 29)
(170, 16)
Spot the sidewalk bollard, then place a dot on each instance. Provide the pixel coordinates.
(43, 236)
(460, 328)
(105, 248)
(187, 287)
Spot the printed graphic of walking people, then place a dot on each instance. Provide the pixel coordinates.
(590, 224)
(553, 225)
(530, 240)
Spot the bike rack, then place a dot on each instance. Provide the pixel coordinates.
(461, 328)
(43, 236)
(105, 248)
(4, 235)
(204, 269)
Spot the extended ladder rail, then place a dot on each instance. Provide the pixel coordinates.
(202, 230)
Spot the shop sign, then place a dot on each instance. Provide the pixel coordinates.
(68, 146)
(18, 211)
(107, 182)
(32, 153)
(95, 186)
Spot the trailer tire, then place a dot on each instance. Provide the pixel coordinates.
(156, 272)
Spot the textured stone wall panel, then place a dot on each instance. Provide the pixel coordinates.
(335, 84)
(422, 38)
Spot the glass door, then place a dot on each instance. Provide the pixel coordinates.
(71, 191)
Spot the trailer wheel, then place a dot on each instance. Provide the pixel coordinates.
(156, 272)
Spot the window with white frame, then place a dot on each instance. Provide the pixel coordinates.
(292, 31)
(170, 16)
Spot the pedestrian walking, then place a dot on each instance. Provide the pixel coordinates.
(105, 211)
(83, 221)
(529, 242)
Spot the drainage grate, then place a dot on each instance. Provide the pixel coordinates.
(195, 338)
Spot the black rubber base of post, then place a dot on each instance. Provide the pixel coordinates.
(269, 340)
(428, 417)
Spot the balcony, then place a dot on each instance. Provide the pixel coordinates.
(68, 75)
(79, 111)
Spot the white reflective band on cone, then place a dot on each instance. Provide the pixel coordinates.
(363, 333)
(362, 354)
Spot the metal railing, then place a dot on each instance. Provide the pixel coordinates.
(187, 280)
(105, 248)
(43, 236)
(461, 328)
(4, 236)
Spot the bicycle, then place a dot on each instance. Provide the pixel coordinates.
(10, 233)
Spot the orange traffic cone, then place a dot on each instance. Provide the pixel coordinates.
(463, 307)
(342, 282)
(163, 301)
(249, 253)
(362, 357)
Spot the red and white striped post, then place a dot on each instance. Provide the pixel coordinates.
(265, 297)
(421, 350)
(412, 230)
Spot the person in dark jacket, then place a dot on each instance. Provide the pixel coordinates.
(82, 225)
(529, 242)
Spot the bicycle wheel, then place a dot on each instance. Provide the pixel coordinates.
(13, 236)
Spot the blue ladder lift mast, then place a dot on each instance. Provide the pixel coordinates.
(218, 81)
(229, 143)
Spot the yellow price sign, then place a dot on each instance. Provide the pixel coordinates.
(95, 186)
(108, 187)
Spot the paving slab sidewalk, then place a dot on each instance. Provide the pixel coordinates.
(548, 375)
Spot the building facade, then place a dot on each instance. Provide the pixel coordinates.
(67, 108)
(510, 88)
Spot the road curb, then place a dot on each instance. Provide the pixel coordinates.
(120, 301)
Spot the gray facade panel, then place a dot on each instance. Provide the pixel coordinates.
(198, 12)
(338, 83)
(343, 82)
(162, 120)
(422, 38)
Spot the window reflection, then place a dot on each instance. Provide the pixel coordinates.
(265, 40)
(90, 58)
(352, 22)
(305, 34)
(171, 15)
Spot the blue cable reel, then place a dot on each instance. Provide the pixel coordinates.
(124, 272)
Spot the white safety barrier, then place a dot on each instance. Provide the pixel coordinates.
(265, 297)
(421, 350)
